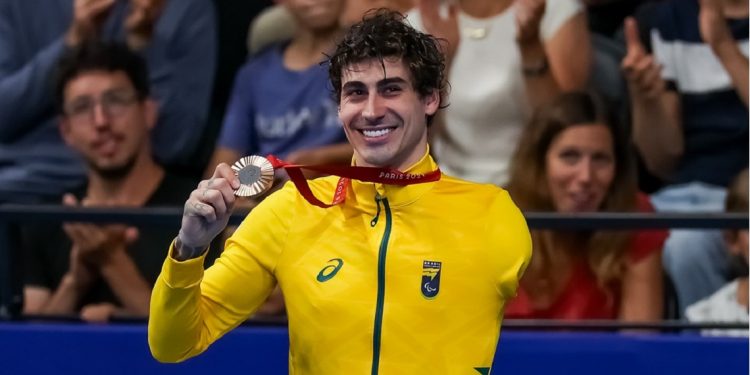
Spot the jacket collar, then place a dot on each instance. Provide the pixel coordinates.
(363, 193)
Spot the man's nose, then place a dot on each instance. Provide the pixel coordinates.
(100, 115)
(374, 108)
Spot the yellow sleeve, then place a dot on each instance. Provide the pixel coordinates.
(191, 309)
(510, 234)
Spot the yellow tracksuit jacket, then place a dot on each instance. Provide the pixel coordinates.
(396, 280)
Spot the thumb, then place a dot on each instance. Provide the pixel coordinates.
(131, 235)
(69, 200)
(632, 37)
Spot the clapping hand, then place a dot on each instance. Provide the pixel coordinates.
(93, 243)
(88, 17)
(141, 21)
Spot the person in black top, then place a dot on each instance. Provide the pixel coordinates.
(103, 271)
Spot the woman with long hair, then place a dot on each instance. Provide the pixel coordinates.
(573, 157)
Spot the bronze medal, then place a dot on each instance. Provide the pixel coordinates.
(255, 174)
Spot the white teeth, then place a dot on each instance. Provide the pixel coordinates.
(376, 133)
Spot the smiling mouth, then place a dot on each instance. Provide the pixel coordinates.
(376, 133)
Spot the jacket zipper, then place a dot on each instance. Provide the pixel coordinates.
(381, 280)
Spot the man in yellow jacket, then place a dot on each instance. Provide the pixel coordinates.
(396, 279)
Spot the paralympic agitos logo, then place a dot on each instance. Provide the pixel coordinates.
(430, 278)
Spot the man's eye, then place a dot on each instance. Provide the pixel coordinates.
(80, 107)
(392, 89)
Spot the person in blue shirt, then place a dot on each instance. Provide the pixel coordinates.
(281, 103)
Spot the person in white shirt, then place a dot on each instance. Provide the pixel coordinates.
(730, 303)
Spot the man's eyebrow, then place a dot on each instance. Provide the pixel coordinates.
(392, 80)
(353, 85)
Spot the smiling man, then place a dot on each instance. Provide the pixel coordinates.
(101, 271)
(395, 279)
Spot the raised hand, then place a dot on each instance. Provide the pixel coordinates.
(207, 211)
(529, 15)
(141, 21)
(713, 25)
(88, 17)
(445, 28)
(641, 70)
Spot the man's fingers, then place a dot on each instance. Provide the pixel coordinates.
(632, 37)
(652, 75)
(225, 189)
(653, 83)
(222, 185)
(196, 207)
(643, 71)
(216, 200)
(69, 200)
(77, 235)
(225, 171)
(97, 7)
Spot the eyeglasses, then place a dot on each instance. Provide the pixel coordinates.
(114, 104)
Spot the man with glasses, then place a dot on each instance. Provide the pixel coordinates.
(101, 271)
(177, 40)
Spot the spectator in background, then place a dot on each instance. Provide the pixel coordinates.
(689, 107)
(175, 37)
(276, 24)
(573, 158)
(107, 115)
(281, 102)
(605, 17)
(730, 303)
(506, 57)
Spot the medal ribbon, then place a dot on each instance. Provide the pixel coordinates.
(387, 176)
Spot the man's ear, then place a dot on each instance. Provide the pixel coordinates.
(150, 112)
(63, 125)
(431, 102)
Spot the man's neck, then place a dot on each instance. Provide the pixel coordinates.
(134, 189)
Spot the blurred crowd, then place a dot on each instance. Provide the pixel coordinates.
(571, 105)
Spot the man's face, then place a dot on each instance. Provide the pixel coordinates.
(105, 121)
(383, 116)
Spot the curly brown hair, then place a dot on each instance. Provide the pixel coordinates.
(384, 34)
